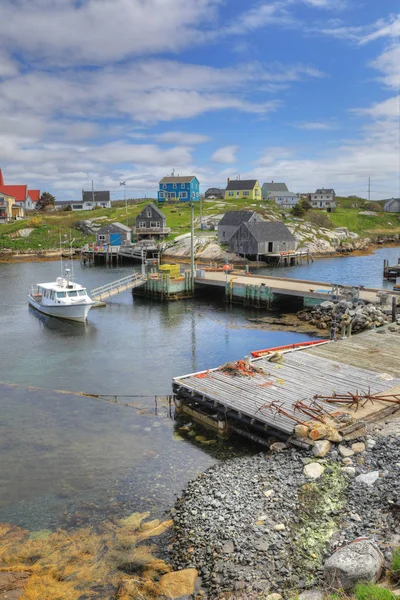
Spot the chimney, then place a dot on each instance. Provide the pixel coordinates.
(228, 180)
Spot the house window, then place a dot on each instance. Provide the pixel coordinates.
(238, 194)
(256, 192)
(142, 224)
(230, 194)
(246, 193)
(174, 186)
(183, 186)
(192, 194)
(161, 194)
(223, 234)
(101, 237)
(171, 195)
(77, 207)
(182, 194)
(155, 224)
(165, 186)
(149, 215)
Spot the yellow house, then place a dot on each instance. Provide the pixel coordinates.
(248, 189)
(6, 207)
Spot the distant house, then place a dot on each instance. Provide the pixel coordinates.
(284, 199)
(324, 199)
(151, 222)
(184, 189)
(114, 234)
(96, 198)
(392, 205)
(6, 205)
(232, 220)
(214, 193)
(268, 188)
(248, 189)
(257, 239)
(24, 197)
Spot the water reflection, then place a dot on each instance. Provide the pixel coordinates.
(61, 326)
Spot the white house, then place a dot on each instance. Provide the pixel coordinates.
(283, 199)
(324, 199)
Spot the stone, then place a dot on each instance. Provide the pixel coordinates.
(12, 584)
(301, 431)
(273, 597)
(313, 470)
(311, 595)
(359, 561)
(318, 432)
(321, 448)
(279, 527)
(368, 478)
(228, 547)
(358, 447)
(333, 435)
(347, 461)
(278, 447)
(345, 451)
(269, 493)
(349, 471)
(178, 583)
(327, 305)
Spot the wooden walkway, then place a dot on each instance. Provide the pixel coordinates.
(325, 370)
(129, 282)
(289, 287)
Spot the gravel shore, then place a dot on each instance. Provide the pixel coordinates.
(259, 525)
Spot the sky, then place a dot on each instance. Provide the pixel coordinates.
(301, 91)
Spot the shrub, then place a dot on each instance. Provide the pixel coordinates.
(395, 567)
(34, 222)
(320, 218)
(375, 206)
(298, 210)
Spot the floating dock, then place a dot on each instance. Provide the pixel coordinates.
(265, 403)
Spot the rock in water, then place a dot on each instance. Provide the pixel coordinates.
(178, 583)
(321, 448)
(360, 561)
(313, 470)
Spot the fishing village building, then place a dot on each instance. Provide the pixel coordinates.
(151, 222)
(232, 220)
(243, 188)
(324, 199)
(268, 188)
(23, 196)
(262, 238)
(184, 189)
(392, 205)
(114, 234)
(214, 193)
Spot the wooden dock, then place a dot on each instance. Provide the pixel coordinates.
(130, 282)
(368, 362)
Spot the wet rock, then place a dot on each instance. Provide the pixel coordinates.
(321, 448)
(178, 583)
(359, 561)
(368, 478)
(313, 470)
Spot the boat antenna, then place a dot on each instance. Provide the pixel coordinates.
(61, 260)
(72, 258)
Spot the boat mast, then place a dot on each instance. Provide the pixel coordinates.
(61, 260)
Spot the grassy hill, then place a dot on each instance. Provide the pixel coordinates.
(46, 227)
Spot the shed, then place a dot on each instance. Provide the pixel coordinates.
(392, 205)
(214, 193)
(114, 234)
(231, 221)
(262, 238)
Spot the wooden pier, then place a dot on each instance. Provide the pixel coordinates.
(391, 272)
(141, 252)
(367, 362)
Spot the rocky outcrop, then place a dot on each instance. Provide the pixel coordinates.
(206, 249)
(12, 584)
(319, 240)
(359, 561)
(336, 315)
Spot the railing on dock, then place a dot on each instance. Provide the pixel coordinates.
(116, 287)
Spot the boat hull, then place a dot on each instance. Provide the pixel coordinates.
(69, 312)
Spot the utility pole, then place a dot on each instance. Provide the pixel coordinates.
(201, 213)
(369, 189)
(126, 205)
(92, 192)
(192, 241)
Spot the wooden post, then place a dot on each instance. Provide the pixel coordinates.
(394, 305)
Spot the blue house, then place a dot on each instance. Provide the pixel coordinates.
(183, 189)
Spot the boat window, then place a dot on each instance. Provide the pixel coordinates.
(82, 292)
(61, 294)
(52, 295)
(72, 294)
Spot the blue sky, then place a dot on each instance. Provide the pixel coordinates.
(301, 91)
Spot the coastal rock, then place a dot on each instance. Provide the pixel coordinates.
(12, 584)
(318, 432)
(178, 583)
(311, 595)
(321, 448)
(301, 431)
(368, 478)
(345, 451)
(313, 470)
(358, 447)
(359, 561)
(274, 597)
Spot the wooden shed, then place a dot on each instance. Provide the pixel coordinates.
(255, 239)
(114, 234)
(232, 220)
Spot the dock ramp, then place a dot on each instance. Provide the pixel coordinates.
(114, 288)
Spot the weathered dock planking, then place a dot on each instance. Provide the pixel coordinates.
(325, 370)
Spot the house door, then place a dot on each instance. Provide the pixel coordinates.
(270, 246)
(115, 239)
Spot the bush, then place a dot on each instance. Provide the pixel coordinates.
(298, 210)
(34, 222)
(320, 219)
(370, 591)
(375, 206)
(395, 568)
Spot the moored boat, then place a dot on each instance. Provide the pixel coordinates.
(62, 299)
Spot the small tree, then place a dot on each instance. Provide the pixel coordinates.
(46, 201)
(298, 210)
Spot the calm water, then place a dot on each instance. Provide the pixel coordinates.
(66, 460)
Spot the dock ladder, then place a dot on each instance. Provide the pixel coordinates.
(116, 287)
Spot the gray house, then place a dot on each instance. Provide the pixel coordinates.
(255, 239)
(151, 222)
(214, 193)
(392, 205)
(231, 221)
(114, 234)
(268, 188)
(324, 199)
(96, 198)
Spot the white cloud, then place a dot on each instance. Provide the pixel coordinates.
(388, 108)
(225, 155)
(179, 137)
(389, 65)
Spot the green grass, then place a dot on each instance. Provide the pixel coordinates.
(365, 225)
(395, 566)
(370, 591)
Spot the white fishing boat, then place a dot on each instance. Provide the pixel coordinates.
(62, 298)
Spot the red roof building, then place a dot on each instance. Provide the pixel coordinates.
(20, 193)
